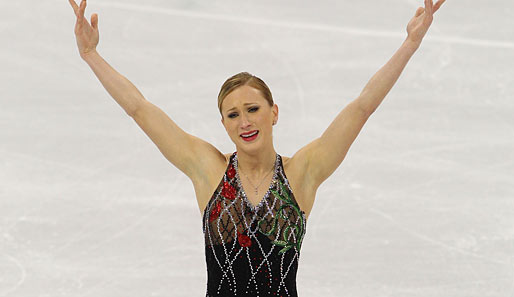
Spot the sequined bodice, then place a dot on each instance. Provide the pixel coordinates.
(252, 251)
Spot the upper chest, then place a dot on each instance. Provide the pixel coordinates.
(295, 177)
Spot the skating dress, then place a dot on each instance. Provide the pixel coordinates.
(252, 251)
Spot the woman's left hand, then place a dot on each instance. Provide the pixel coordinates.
(419, 24)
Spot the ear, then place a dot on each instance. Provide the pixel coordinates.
(274, 109)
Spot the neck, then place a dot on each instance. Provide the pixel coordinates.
(256, 165)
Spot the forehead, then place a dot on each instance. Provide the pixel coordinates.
(242, 96)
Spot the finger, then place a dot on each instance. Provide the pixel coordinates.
(74, 6)
(82, 9)
(94, 21)
(419, 11)
(438, 4)
(428, 6)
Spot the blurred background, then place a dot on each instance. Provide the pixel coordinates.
(423, 204)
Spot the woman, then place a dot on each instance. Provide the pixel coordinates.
(253, 223)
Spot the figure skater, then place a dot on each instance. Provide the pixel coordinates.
(254, 202)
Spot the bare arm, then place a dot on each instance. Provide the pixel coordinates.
(87, 36)
(190, 154)
(331, 148)
(381, 83)
(118, 86)
(179, 147)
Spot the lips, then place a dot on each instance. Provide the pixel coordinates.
(248, 133)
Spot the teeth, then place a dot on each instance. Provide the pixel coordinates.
(246, 136)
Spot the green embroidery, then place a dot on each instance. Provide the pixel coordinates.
(286, 244)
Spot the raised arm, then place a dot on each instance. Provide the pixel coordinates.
(330, 149)
(87, 36)
(179, 147)
(382, 82)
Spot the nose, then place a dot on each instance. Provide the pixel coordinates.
(244, 121)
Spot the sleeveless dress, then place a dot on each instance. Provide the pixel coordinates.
(252, 251)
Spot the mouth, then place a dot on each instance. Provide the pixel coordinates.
(249, 136)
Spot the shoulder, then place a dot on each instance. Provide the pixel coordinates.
(291, 169)
(300, 181)
(292, 165)
(296, 169)
(212, 169)
(227, 158)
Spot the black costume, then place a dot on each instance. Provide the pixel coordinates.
(252, 251)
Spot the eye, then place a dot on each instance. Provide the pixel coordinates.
(252, 109)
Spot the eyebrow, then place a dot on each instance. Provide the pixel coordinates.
(244, 105)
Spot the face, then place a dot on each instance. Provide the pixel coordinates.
(245, 110)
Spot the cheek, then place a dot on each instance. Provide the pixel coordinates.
(232, 129)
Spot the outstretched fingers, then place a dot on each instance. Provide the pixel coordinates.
(438, 4)
(74, 6)
(428, 7)
(82, 9)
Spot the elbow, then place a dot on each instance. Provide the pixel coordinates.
(369, 111)
(366, 109)
(134, 109)
(130, 113)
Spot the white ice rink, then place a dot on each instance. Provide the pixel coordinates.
(422, 205)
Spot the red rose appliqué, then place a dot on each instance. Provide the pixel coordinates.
(228, 191)
(215, 212)
(231, 172)
(244, 240)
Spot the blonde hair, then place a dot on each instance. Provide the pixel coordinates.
(244, 79)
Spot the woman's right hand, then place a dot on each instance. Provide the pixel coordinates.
(87, 35)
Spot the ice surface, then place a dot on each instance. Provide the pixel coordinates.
(423, 204)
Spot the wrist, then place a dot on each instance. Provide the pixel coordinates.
(85, 56)
(413, 45)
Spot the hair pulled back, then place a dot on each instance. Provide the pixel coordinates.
(244, 79)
